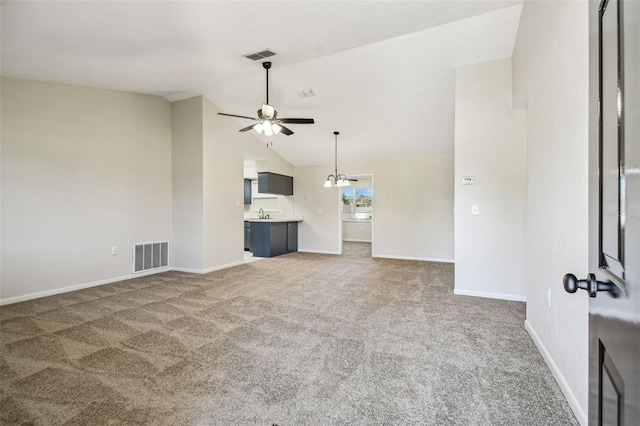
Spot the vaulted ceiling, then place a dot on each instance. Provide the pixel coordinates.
(383, 72)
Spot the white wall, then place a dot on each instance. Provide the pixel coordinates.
(550, 71)
(413, 207)
(356, 231)
(490, 144)
(82, 170)
(274, 205)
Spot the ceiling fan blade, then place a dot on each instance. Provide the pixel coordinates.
(285, 130)
(353, 180)
(237, 116)
(246, 129)
(297, 120)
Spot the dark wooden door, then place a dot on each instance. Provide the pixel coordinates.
(614, 284)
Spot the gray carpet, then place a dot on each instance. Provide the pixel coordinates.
(294, 340)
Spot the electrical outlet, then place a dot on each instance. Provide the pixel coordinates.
(114, 250)
(547, 296)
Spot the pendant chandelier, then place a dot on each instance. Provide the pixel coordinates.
(336, 179)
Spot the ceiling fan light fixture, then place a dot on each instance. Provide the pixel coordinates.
(267, 114)
(268, 111)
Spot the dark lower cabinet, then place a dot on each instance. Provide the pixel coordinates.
(292, 236)
(247, 235)
(269, 239)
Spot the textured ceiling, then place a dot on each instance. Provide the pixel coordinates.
(383, 71)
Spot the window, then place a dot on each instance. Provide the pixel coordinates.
(357, 203)
(363, 197)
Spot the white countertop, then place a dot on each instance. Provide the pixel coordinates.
(276, 219)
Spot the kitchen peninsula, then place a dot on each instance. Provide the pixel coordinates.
(273, 237)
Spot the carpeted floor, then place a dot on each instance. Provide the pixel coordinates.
(294, 340)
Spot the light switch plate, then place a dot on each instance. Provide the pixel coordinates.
(468, 180)
(475, 210)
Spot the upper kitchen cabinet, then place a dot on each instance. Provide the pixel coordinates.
(273, 183)
(247, 191)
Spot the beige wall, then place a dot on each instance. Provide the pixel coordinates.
(413, 207)
(208, 186)
(490, 144)
(223, 191)
(83, 170)
(187, 184)
(550, 65)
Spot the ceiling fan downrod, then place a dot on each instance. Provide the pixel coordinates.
(267, 66)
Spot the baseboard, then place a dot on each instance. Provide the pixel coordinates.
(188, 270)
(422, 259)
(500, 296)
(319, 251)
(53, 292)
(225, 266)
(564, 386)
(207, 270)
(350, 240)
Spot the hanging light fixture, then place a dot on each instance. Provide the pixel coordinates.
(336, 179)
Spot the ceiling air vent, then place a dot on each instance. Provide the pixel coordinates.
(305, 93)
(260, 55)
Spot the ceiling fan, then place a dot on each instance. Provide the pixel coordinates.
(268, 121)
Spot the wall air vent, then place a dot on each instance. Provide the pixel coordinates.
(147, 256)
(260, 55)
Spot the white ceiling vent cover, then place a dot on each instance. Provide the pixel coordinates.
(147, 256)
(260, 55)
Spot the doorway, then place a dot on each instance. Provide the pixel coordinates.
(356, 212)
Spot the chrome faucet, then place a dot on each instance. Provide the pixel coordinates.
(261, 214)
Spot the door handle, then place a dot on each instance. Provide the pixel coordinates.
(572, 284)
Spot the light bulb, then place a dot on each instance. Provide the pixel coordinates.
(258, 127)
(345, 182)
(340, 182)
(266, 128)
(327, 183)
(275, 127)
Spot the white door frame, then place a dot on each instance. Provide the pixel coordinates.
(373, 209)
